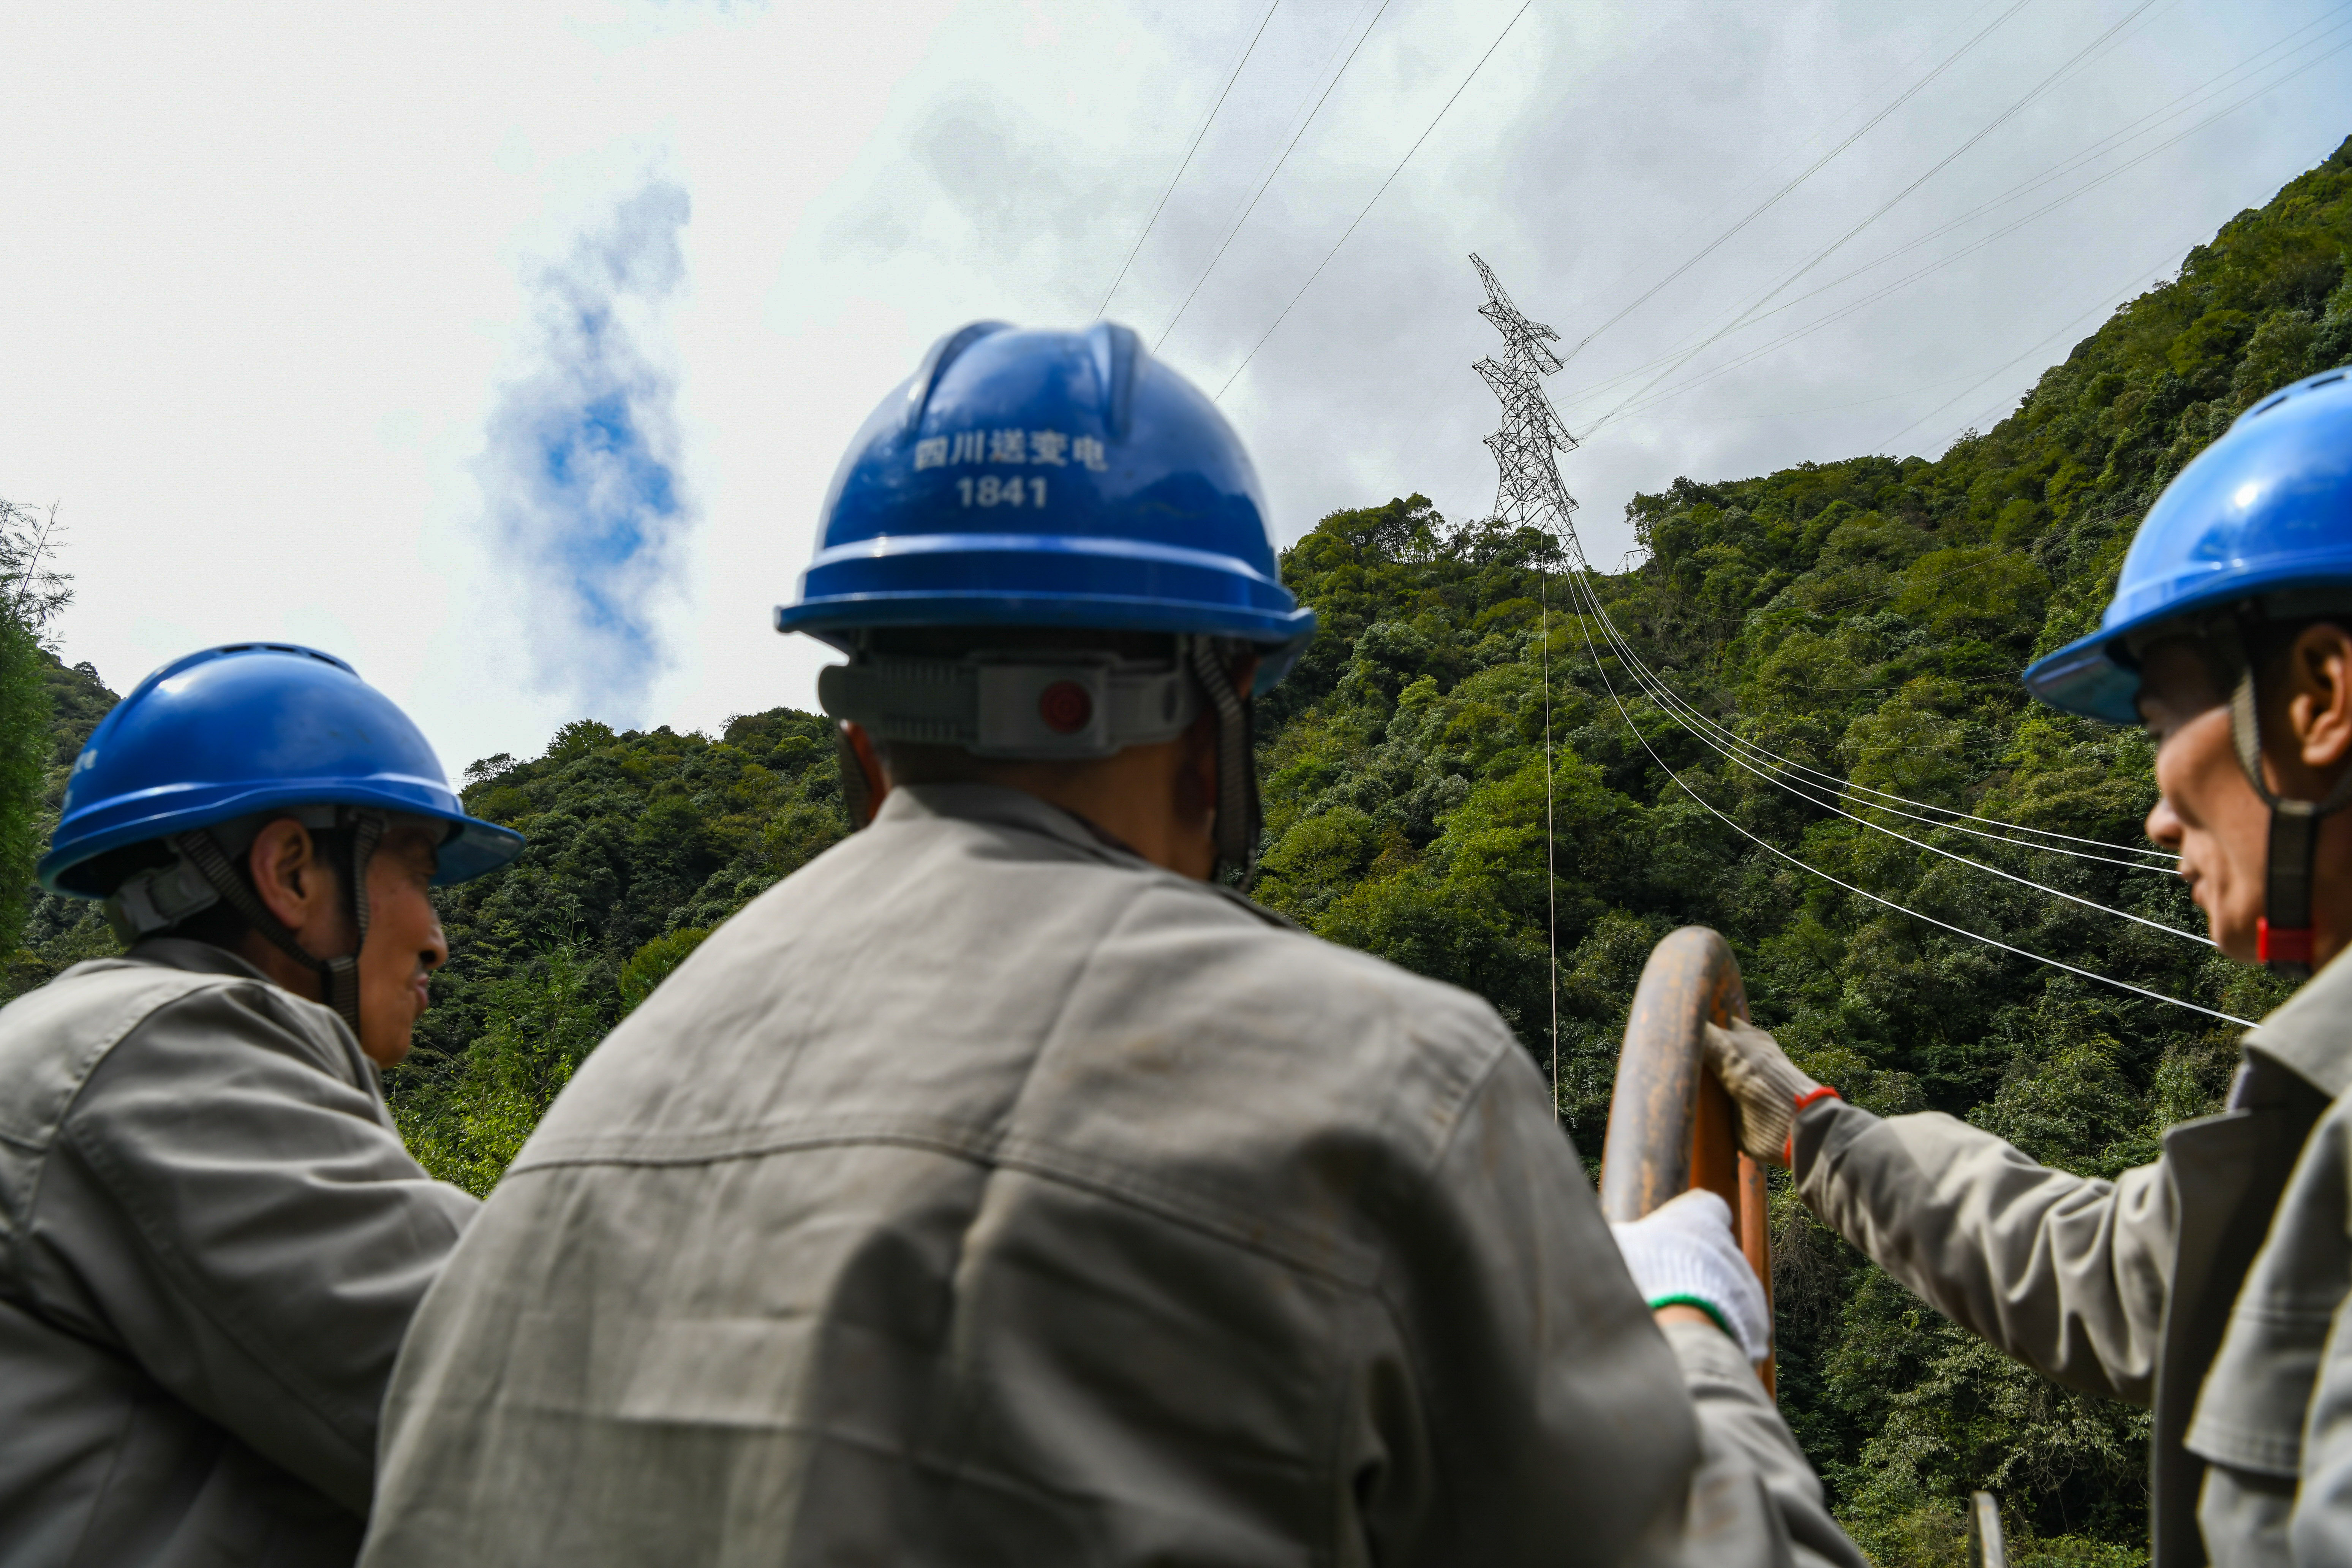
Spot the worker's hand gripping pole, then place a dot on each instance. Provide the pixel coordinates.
(1671, 1125)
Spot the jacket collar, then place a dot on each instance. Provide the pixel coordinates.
(1001, 807)
(195, 957)
(998, 807)
(2311, 1034)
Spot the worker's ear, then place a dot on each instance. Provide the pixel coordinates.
(2319, 701)
(864, 781)
(287, 873)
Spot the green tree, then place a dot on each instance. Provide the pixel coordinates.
(1865, 618)
(540, 1021)
(32, 591)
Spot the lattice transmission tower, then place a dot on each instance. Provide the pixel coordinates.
(1532, 494)
(1528, 444)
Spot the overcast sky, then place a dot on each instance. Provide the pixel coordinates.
(506, 350)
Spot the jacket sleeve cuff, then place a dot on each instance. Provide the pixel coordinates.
(1822, 1129)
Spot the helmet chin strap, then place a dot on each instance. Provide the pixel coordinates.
(338, 978)
(1237, 803)
(857, 789)
(2284, 937)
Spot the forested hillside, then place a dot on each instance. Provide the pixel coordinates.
(1865, 618)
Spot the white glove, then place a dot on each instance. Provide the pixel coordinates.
(1764, 1083)
(1681, 1254)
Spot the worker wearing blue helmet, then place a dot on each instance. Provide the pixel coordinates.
(1005, 1187)
(214, 1239)
(2210, 1286)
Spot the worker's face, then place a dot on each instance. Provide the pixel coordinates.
(2208, 814)
(404, 944)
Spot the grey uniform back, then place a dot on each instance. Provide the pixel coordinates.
(983, 1194)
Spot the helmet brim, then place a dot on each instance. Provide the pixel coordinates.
(1029, 580)
(473, 848)
(2096, 675)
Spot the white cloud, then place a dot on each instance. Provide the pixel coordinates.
(276, 272)
(587, 511)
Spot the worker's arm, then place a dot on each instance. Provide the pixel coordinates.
(1747, 1446)
(1557, 1420)
(1708, 1302)
(226, 1206)
(2064, 1272)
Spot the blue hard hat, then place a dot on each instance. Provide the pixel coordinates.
(1048, 479)
(248, 728)
(2266, 510)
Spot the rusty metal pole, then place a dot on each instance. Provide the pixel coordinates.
(1671, 1126)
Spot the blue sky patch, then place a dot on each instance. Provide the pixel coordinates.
(580, 468)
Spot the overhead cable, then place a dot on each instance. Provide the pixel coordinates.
(2088, 155)
(1707, 731)
(1376, 196)
(1812, 169)
(1551, 862)
(1881, 210)
(1631, 666)
(1691, 718)
(1804, 865)
(1268, 182)
(1750, 355)
(2103, 301)
(1178, 177)
(1822, 407)
(2173, 109)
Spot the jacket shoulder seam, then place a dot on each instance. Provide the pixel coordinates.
(983, 1148)
(176, 986)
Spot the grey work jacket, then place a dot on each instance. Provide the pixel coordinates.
(982, 1193)
(2127, 1288)
(211, 1242)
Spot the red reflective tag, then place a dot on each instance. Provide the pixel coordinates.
(1788, 1147)
(1064, 707)
(2282, 944)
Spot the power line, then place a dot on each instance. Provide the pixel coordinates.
(1376, 196)
(1774, 200)
(1751, 355)
(1689, 715)
(1707, 731)
(2089, 154)
(1268, 183)
(1960, 930)
(1530, 492)
(2103, 302)
(1797, 149)
(1884, 209)
(1672, 704)
(1822, 407)
(1174, 180)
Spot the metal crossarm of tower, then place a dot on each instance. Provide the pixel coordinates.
(1528, 442)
